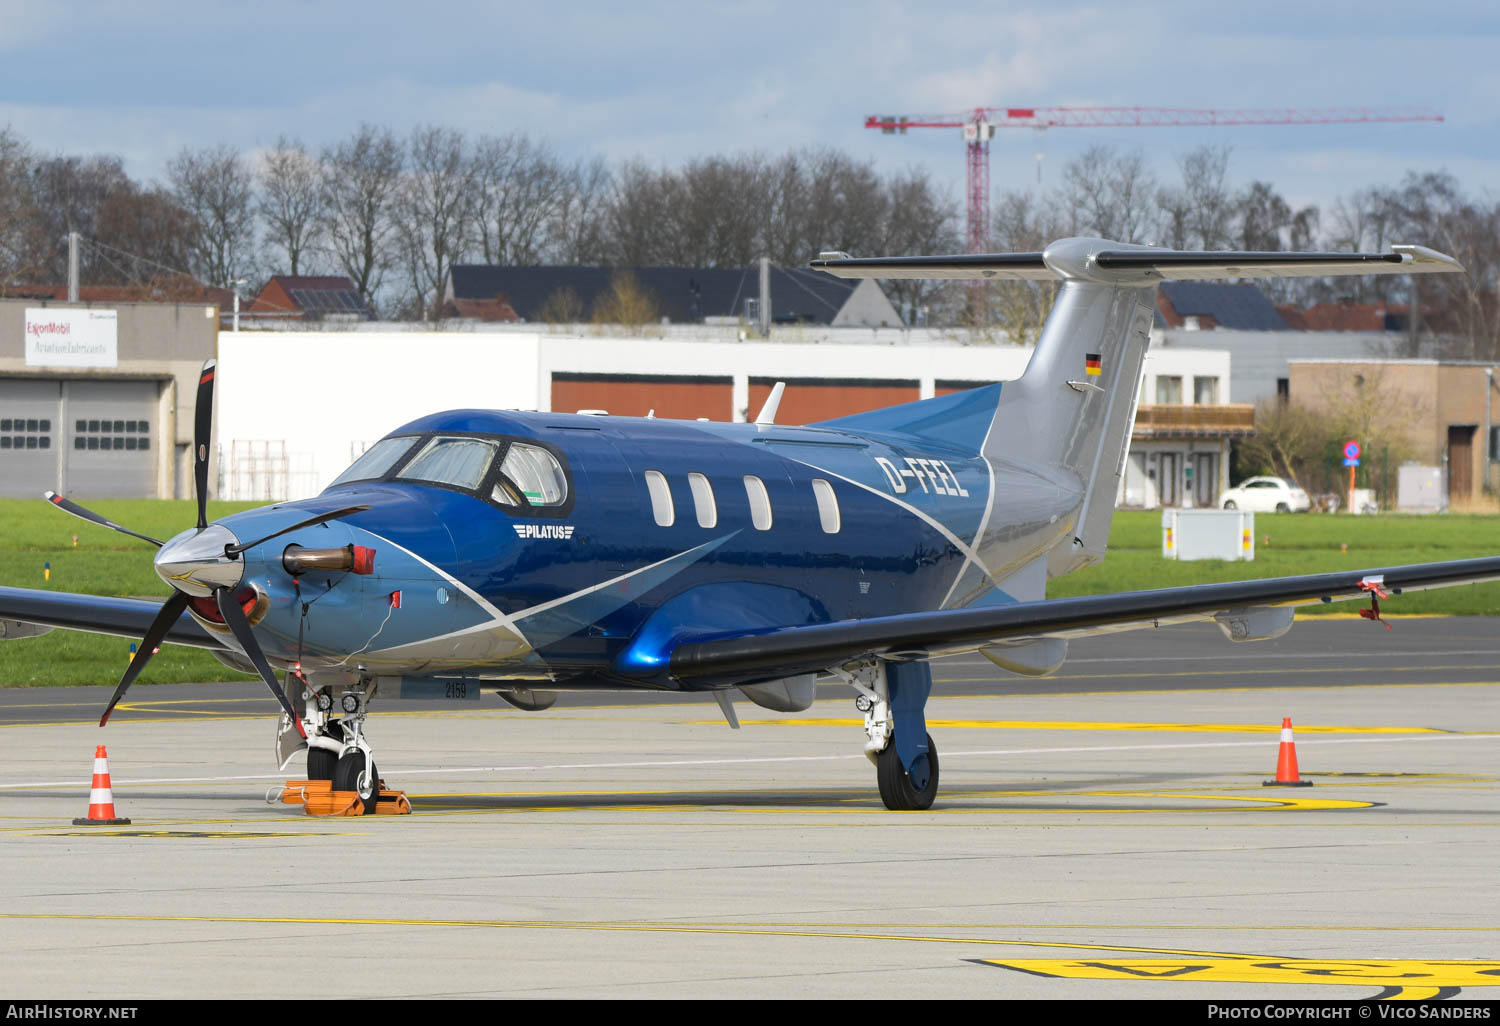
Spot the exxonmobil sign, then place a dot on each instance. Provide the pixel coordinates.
(65, 337)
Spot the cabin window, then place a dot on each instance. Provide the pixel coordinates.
(760, 502)
(536, 472)
(460, 462)
(661, 499)
(828, 505)
(703, 500)
(377, 459)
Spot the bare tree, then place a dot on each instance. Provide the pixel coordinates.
(919, 220)
(144, 237)
(19, 228)
(68, 193)
(577, 232)
(638, 216)
(291, 201)
(520, 188)
(1109, 194)
(360, 182)
(1023, 222)
(217, 189)
(1199, 212)
(434, 213)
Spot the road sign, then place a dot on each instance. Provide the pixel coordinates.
(1351, 454)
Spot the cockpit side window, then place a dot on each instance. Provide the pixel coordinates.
(447, 460)
(376, 461)
(536, 473)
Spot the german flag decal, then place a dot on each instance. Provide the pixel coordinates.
(1091, 364)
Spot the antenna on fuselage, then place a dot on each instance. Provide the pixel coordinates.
(767, 413)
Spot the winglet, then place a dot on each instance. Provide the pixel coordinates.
(767, 413)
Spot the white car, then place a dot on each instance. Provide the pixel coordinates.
(1266, 495)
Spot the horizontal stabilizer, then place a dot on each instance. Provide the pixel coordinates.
(1121, 264)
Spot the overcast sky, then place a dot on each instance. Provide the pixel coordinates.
(669, 81)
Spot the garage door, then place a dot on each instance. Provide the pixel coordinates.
(111, 446)
(29, 437)
(808, 400)
(680, 397)
(86, 439)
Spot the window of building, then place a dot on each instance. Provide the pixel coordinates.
(1283, 389)
(661, 499)
(536, 472)
(703, 500)
(1168, 391)
(828, 505)
(1206, 391)
(760, 502)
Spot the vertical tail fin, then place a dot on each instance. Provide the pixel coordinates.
(1068, 419)
(1074, 406)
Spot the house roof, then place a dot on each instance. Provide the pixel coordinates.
(1355, 317)
(310, 295)
(1238, 307)
(683, 295)
(181, 290)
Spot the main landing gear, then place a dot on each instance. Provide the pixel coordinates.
(893, 697)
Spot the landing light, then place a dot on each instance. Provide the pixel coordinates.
(351, 703)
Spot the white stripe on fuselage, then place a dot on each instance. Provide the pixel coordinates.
(984, 521)
(969, 553)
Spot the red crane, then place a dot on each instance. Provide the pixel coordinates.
(979, 126)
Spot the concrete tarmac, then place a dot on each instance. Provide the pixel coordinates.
(1103, 834)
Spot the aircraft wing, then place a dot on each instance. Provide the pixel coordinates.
(786, 651)
(128, 618)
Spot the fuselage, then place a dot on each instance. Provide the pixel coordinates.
(588, 545)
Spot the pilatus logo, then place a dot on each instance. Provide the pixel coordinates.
(562, 531)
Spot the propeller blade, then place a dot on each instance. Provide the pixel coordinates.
(68, 506)
(234, 616)
(203, 429)
(170, 611)
(322, 518)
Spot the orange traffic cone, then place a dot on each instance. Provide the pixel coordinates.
(1286, 761)
(101, 798)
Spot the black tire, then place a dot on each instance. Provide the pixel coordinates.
(1230, 505)
(1282, 507)
(349, 774)
(320, 763)
(896, 787)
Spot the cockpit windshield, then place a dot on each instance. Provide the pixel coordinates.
(378, 459)
(459, 462)
(514, 474)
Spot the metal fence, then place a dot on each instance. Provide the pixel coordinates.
(263, 470)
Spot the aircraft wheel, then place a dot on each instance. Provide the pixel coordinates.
(897, 788)
(320, 763)
(349, 775)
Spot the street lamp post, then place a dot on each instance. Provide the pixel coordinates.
(235, 284)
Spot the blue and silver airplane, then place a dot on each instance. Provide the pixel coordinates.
(531, 553)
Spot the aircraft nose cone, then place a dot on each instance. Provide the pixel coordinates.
(194, 561)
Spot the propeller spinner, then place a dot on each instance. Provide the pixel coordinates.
(201, 562)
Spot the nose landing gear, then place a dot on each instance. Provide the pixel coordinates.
(336, 748)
